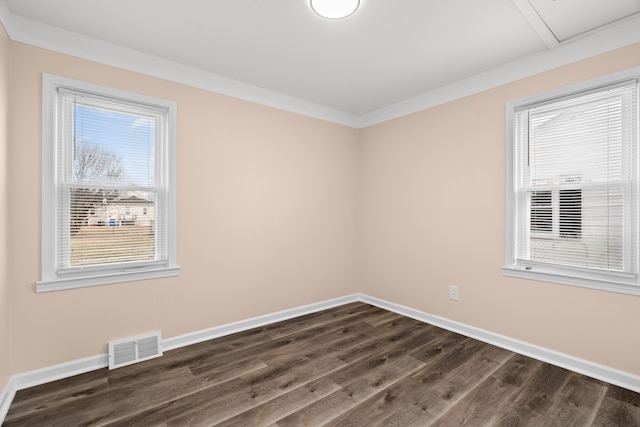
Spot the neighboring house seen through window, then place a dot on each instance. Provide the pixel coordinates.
(108, 185)
(572, 185)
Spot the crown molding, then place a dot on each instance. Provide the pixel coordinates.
(52, 38)
(617, 36)
(55, 39)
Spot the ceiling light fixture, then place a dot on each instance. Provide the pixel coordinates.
(334, 9)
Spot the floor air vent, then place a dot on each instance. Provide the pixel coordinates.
(135, 349)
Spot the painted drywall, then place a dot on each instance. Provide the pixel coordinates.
(277, 210)
(266, 221)
(433, 203)
(5, 307)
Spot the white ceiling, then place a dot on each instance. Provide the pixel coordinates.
(383, 61)
(570, 18)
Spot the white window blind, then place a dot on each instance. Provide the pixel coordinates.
(112, 207)
(110, 171)
(576, 183)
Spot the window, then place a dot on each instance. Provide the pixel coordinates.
(107, 155)
(572, 185)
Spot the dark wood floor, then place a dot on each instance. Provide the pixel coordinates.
(354, 365)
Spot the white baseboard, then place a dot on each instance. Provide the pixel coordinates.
(75, 367)
(243, 325)
(60, 371)
(581, 366)
(80, 366)
(6, 397)
(46, 375)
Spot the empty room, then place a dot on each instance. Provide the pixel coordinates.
(319, 212)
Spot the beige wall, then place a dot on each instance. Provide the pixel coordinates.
(267, 214)
(433, 203)
(277, 210)
(5, 307)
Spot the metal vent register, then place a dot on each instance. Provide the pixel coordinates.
(134, 349)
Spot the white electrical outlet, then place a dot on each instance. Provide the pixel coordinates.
(453, 293)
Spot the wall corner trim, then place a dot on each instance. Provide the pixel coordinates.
(45, 36)
(65, 370)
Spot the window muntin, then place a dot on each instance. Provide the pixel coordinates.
(108, 185)
(572, 186)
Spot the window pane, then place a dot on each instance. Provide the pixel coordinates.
(603, 227)
(580, 140)
(111, 227)
(112, 146)
(111, 206)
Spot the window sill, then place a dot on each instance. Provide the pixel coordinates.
(619, 286)
(105, 279)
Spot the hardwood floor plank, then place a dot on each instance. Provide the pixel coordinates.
(179, 388)
(477, 407)
(353, 391)
(353, 365)
(339, 336)
(261, 387)
(226, 372)
(443, 343)
(307, 339)
(58, 393)
(271, 411)
(445, 391)
(385, 317)
(539, 392)
(458, 354)
(320, 411)
(623, 395)
(535, 396)
(576, 404)
(614, 412)
(403, 392)
(364, 365)
(194, 403)
(110, 404)
(518, 370)
(481, 404)
(350, 313)
(243, 344)
(388, 335)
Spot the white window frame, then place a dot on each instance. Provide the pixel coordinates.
(51, 279)
(574, 276)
